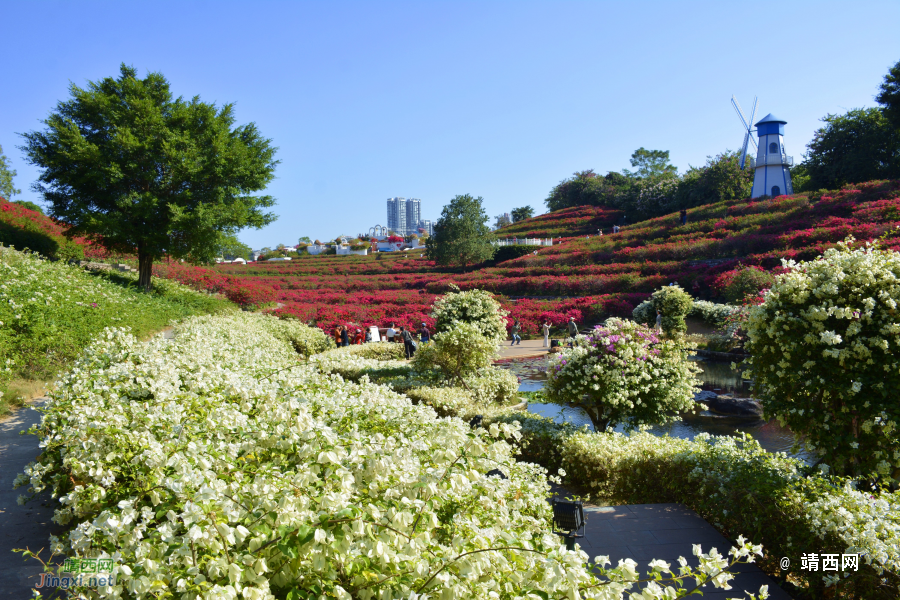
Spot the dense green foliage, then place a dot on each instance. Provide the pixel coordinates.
(674, 304)
(860, 145)
(7, 189)
(522, 213)
(889, 95)
(655, 188)
(50, 311)
(461, 236)
(824, 356)
(21, 228)
(125, 164)
(746, 282)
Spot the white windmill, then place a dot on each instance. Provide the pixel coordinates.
(748, 134)
(772, 175)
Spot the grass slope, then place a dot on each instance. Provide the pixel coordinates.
(49, 311)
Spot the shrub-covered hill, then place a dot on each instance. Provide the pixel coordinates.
(568, 222)
(49, 311)
(23, 228)
(585, 278)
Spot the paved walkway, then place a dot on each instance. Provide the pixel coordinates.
(525, 349)
(643, 532)
(27, 526)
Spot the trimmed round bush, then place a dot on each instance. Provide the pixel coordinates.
(825, 358)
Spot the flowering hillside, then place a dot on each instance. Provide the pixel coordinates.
(25, 228)
(568, 222)
(588, 279)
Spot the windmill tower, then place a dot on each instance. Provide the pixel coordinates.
(773, 176)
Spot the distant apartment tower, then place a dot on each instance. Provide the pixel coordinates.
(413, 215)
(396, 215)
(403, 215)
(427, 226)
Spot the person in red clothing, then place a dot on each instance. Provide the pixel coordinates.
(337, 335)
(359, 337)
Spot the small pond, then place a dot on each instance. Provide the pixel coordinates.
(716, 376)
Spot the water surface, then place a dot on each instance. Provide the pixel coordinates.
(716, 376)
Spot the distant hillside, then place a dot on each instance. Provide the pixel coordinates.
(568, 222)
(589, 279)
(25, 228)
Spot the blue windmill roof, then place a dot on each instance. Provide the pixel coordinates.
(770, 118)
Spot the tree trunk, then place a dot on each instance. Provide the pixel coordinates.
(145, 270)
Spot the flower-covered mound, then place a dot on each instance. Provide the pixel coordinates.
(217, 465)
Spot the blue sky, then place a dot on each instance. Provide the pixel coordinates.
(368, 100)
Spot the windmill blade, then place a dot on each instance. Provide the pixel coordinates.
(740, 113)
(747, 137)
(752, 112)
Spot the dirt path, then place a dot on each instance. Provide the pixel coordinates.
(21, 526)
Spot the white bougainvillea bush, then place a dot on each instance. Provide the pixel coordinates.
(217, 465)
(625, 373)
(825, 348)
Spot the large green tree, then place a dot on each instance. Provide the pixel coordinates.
(721, 178)
(860, 145)
(127, 165)
(585, 187)
(461, 236)
(889, 95)
(651, 164)
(7, 190)
(522, 213)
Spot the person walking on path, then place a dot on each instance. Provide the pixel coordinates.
(368, 337)
(683, 217)
(572, 330)
(424, 334)
(408, 342)
(514, 332)
(345, 336)
(658, 321)
(545, 329)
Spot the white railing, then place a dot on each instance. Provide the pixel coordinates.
(525, 242)
(772, 159)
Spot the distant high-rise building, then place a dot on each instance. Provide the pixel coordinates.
(413, 214)
(427, 227)
(404, 215)
(396, 215)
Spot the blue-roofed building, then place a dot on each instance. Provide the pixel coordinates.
(772, 176)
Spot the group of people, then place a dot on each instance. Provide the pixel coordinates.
(516, 330)
(343, 335)
(408, 337)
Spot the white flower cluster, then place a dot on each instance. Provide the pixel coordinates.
(475, 307)
(623, 373)
(711, 313)
(216, 466)
(825, 349)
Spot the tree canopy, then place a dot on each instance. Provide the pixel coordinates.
(889, 96)
(125, 164)
(650, 164)
(501, 221)
(860, 145)
(522, 213)
(7, 189)
(461, 235)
